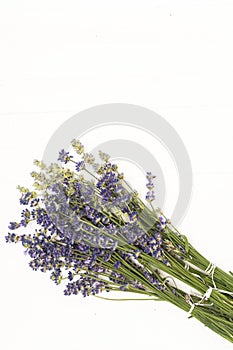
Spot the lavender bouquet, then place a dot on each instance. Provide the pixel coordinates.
(93, 232)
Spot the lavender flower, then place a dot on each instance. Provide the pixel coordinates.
(80, 166)
(104, 156)
(150, 196)
(88, 158)
(13, 225)
(64, 157)
(77, 146)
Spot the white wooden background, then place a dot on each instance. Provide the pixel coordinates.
(60, 57)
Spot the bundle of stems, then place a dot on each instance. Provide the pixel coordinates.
(94, 232)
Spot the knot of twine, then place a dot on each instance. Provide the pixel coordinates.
(192, 304)
(209, 271)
